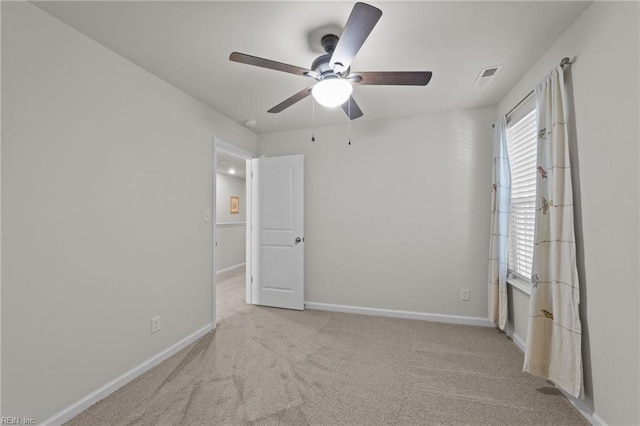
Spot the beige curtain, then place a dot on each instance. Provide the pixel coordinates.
(500, 202)
(554, 333)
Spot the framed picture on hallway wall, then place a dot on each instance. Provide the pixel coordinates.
(235, 204)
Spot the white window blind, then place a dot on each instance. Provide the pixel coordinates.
(521, 138)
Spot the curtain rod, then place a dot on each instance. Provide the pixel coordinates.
(564, 62)
(519, 103)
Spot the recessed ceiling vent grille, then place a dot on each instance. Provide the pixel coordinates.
(487, 75)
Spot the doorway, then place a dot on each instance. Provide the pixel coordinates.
(231, 214)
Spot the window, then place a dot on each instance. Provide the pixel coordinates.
(521, 140)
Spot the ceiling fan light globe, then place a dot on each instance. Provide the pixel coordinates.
(332, 92)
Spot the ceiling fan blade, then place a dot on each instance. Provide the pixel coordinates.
(352, 109)
(267, 63)
(291, 100)
(392, 78)
(358, 27)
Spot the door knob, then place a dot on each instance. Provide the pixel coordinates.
(298, 240)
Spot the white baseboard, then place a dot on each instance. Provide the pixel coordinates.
(515, 338)
(79, 406)
(579, 405)
(452, 319)
(586, 412)
(239, 265)
(598, 420)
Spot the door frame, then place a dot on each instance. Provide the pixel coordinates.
(226, 146)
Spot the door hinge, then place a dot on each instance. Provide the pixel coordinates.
(251, 278)
(251, 175)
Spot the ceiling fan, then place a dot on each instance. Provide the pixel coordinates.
(332, 70)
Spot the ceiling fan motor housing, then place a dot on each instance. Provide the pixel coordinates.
(321, 65)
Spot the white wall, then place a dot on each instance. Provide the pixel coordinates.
(226, 186)
(518, 320)
(230, 228)
(605, 40)
(231, 246)
(106, 174)
(400, 219)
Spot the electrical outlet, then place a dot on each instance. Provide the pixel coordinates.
(155, 324)
(464, 294)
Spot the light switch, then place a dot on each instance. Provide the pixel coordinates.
(207, 215)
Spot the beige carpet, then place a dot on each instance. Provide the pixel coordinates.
(268, 366)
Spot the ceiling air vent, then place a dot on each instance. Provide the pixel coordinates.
(487, 75)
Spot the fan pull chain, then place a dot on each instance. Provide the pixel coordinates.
(313, 129)
(349, 119)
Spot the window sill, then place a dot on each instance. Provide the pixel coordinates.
(522, 285)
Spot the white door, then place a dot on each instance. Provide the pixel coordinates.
(277, 216)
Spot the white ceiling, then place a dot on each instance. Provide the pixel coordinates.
(188, 44)
(227, 161)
